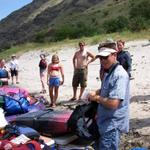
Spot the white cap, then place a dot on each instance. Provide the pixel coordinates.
(13, 55)
(106, 51)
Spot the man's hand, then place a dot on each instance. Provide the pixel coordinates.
(93, 96)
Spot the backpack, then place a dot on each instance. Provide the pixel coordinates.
(82, 121)
(43, 64)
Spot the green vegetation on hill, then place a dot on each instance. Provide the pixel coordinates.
(49, 21)
(113, 16)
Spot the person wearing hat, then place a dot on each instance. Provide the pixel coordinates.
(14, 67)
(81, 59)
(112, 99)
(109, 43)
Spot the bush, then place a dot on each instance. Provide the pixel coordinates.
(122, 23)
(74, 31)
(105, 13)
(137, 24)
(4, 46)
(139, 15)
(141, 9)
(114, 25)
(40, 36)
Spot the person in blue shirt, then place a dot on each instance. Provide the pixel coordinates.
(113, 101)
(109, 43)
(124, 57)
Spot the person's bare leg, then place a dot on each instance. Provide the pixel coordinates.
(51, 95)
(17, 79)
(55, 95)
(74, 93)
(43, 87)
(81, 91)
(12, 79)
(42, 84)
(42, 78)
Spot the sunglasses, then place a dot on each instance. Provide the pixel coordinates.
(104, 57)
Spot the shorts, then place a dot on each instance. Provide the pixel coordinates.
(14, 72)
(110, 140)
(54, 81)
(80, 77)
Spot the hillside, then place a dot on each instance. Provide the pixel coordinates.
(52, 20)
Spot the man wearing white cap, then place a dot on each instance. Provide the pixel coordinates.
(113, 99)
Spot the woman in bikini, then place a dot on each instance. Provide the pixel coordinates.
(53, 78)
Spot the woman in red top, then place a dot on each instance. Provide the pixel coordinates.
(53, 78)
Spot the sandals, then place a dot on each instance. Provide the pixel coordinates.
(73, 99)
(53, 105)
(43, 92)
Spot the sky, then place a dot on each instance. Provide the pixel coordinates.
(8, 6)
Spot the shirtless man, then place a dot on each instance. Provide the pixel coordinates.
(81, 59)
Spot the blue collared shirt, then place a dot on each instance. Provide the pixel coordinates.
(114, 86)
